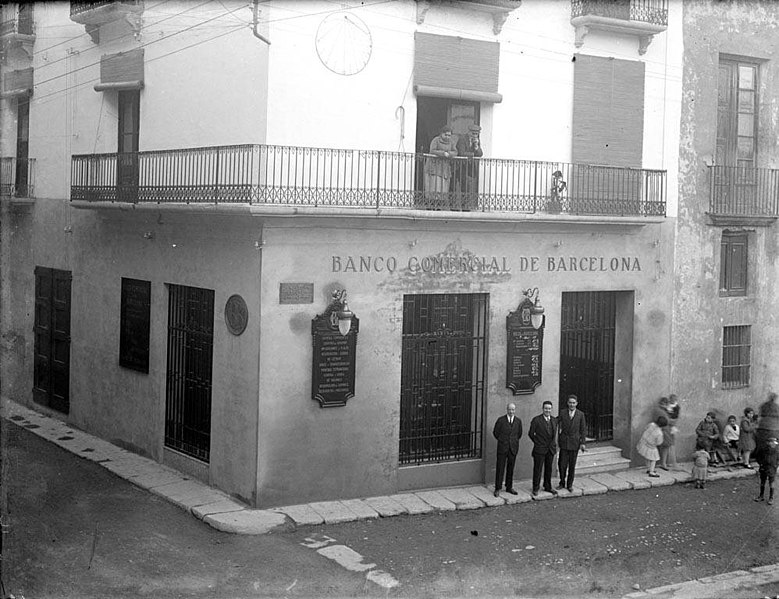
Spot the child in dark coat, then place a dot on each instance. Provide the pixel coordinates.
(769, 459)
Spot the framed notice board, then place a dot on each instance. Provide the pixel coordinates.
(333, 368)
(524, 350)
(134, 324)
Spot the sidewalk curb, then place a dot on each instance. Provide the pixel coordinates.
(222, 512)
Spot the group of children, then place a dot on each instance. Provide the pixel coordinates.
(756, 437)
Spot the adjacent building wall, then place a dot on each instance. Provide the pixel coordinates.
(745, 29)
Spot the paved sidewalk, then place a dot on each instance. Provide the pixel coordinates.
(224, 513)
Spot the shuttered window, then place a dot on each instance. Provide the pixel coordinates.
(456, 67)
(122, 71)
(17, 83)
(733, 264)
(608, 111)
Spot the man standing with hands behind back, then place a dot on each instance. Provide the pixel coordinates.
(507, 430)
(573, 433)
(543, 434)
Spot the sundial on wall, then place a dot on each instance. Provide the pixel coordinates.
(344, 43)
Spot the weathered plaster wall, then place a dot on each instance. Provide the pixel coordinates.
(747, 29)
(353, 450)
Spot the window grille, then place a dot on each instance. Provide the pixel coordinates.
(736, 356)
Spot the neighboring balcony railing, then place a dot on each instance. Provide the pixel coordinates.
(78, 9)
(17, 178)
(744, 192)
(654, 12)
(297, 176)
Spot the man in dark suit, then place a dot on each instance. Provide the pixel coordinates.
(507, 430)
(572, 435)
(543, 434)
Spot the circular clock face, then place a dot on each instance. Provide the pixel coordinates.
(343, 43)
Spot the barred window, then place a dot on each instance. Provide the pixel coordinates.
(736, 356)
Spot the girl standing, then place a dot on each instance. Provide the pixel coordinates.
(700, 466)
(746, 437)
(649, 442)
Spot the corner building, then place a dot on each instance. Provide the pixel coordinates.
(199, 196)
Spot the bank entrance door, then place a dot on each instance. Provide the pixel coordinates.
(443, 369)
(587, 358)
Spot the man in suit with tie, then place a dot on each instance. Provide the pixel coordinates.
(507, 430)
(543, 434)
(572, 435)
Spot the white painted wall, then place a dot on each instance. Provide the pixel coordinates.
(534, 121)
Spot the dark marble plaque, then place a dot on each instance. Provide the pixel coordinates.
(332, 375)
(296, 293)
(236, 314)
(523, 353)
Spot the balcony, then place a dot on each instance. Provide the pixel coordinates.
(364, 179)
(94, 14)
(17, 178)
(642, 18)
(17, 28)
(743, 196)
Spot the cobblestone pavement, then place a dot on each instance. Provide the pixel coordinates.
(226, 514)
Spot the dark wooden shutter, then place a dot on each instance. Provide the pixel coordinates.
(608, 111)
(51, 362)
(121, 71)
(134, 324)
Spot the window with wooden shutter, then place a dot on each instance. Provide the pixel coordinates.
(121, 71)
(733, 264)
(608, 111)
(456, 67)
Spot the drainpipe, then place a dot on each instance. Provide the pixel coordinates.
(255, 22)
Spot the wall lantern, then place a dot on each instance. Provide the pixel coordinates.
(536, 310)
(340, 314)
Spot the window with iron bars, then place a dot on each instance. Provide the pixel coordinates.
(736, 356)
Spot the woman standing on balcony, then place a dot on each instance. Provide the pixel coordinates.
(438, 170)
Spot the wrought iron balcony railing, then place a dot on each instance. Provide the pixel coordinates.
(17, 177)
(79, 9)
(646, 11)
(744, 192)
(299, 176)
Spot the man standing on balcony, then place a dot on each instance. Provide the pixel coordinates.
(573, 433)
(508, 431)
(469, 147)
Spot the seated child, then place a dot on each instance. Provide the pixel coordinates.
(730, 435)
(707, 434)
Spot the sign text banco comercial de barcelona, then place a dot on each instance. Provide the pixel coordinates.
(462, 264)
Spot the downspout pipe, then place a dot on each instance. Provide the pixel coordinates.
(255, 22)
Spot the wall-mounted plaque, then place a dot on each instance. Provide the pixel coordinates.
(332, 375)
(236, 314)
(523, 354)
(296, 293)
(134, 323)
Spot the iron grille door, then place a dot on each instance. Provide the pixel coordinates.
(587, 358)
(190, 352)
(442, 377)
(51, 377)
